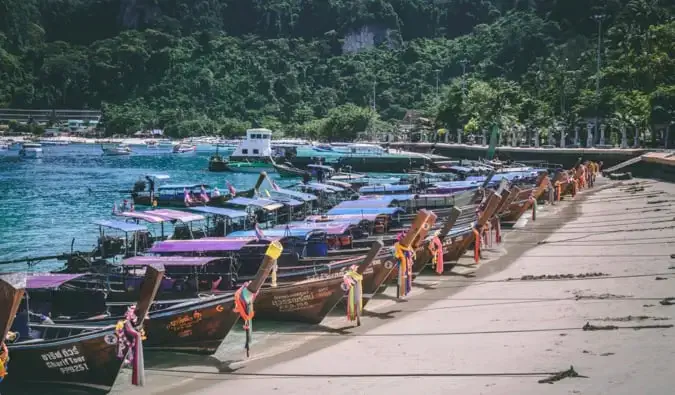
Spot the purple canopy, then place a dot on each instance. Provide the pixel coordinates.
(201, 245)
(168, 261)
(365, 203)
(171, 215)
(49, 280)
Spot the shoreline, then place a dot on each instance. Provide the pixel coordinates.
(283, 348)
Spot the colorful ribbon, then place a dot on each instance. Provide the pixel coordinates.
(353, 285)
(130, 345)
(534, 207)
(404, 256)
(498, 230)
(243, 304)
(436, 250)
(476, 245)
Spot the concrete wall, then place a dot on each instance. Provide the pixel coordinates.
(564, 156)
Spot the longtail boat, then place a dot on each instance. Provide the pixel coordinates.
(194, 325)
(525, 199)
(461, 242)
(85, 357)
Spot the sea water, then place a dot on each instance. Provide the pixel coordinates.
(47, 203)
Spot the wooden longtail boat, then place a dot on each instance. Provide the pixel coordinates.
(524, 200)
(306, 301)
(461, 243)
(197, 325)
(85, 357)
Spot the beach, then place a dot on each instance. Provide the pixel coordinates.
(500, 327)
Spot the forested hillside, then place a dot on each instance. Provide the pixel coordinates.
(308, 67)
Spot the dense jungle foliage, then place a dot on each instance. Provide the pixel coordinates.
(218, 66)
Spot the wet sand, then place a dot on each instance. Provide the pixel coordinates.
(485, 330)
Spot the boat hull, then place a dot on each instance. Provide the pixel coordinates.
(87, 361)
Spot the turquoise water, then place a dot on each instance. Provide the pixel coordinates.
(45, 203)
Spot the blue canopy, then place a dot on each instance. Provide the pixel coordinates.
(225, 212)
(370, 210)
(121, 225)
(307, 197)
(384, 188)
(390, 198)
(364, 203)
(275, 233)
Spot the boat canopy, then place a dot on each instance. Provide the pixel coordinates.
(389, 198)
(182, 186)
(49, 280)
(303, 233)
(175, 215)
(365, 210)
(145, 216)
(365, 203)
(340, 184)
(225, 212)
(384, 188)
(287, 201)
(346, 218)
(121, 225)
(202, 245)
(266, 204)
(168, 261)
(323, 187)
(331, 228)
(307, 197)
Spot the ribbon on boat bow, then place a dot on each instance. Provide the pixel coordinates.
(436, 250)
(353, 285)
(130, 345)
(243, 298)
(476, 243)
(404, 258)
(243, 304)
(534, 207)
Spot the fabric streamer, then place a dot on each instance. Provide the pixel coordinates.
(534, 208)
(353, 285)
(498, 231)
(404, 256)
(4, 360)
(476, 245)
(436, 250)
(130, 345)
(243, 304)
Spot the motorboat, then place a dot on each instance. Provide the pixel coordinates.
(31, 150)
(183, 148)
(119, 150)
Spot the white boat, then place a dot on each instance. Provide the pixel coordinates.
(119, 150)
(183, 148)
(54, 142)
(152, 144)
(4, 147)
(30, 150)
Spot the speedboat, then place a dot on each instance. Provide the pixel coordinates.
(183, 148)
(119, 150)
(152, 144)
(31, 150)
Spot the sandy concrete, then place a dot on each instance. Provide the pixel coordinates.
(485, 324)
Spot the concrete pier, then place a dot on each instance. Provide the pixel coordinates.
(496, 328)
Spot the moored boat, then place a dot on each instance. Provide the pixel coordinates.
(70, 356)
(30, 150)
(184, 148)
(118, 150)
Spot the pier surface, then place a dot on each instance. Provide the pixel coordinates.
(499, 329)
